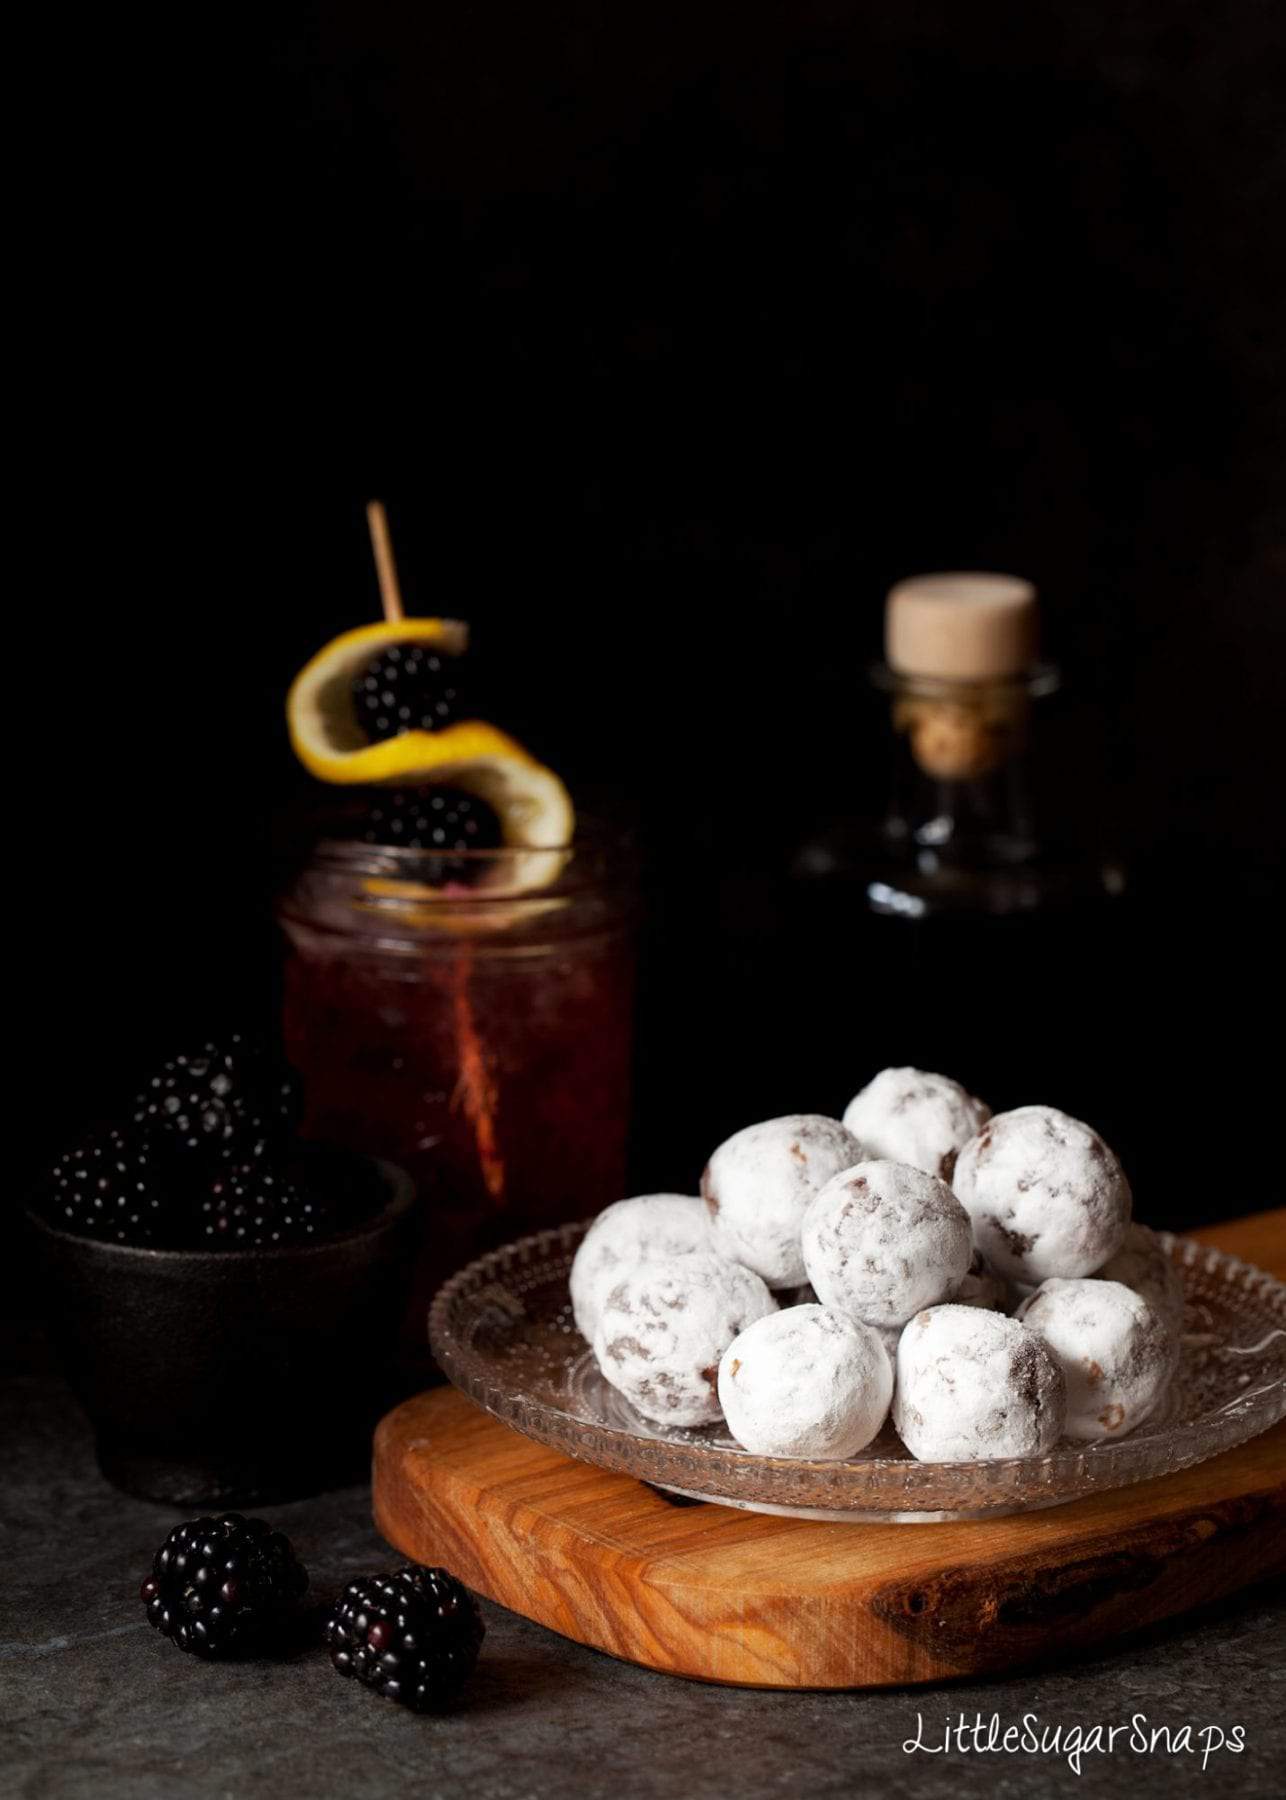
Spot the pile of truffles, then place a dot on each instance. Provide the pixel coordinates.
(977, 1279)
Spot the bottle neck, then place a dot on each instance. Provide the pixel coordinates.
(960, 796)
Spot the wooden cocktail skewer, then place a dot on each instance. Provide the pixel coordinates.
(385, 566)
(475, 1089)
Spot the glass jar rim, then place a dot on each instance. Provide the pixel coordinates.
(390, 893)
(593, 844)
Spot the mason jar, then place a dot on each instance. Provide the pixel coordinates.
(477, 1033)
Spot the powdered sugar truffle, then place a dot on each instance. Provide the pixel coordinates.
(625, 1234)
(1116, 1352)
(982, 1287)
(1143, 1265)
(1045, 1194)
(758, 1185)
(663, 1328)
(883, 1240)
(911, 1116)
(805, 1382)
(973, 1385)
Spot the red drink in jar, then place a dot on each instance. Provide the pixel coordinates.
(478, 1035)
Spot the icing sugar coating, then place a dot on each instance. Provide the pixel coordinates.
(1045, 1194)
(758, 1185)
(911, 1116)
(982, 1287)
(625, 1234)
(973, 1386)
(805, 1382)
(1143, 1265)
(883, 1240)
(1116, 1352)
(663, 1328)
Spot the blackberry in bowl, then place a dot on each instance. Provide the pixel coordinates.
(111, 1186)
(219, 1098)
(226, 1304)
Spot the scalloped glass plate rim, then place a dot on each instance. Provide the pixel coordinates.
(1064, 1474)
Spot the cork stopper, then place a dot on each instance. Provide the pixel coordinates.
(961, 627)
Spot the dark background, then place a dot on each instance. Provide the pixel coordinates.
(671, 335)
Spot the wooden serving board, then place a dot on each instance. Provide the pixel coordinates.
(738, 1597)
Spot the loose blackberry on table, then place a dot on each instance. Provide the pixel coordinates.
(405, 687)
(413, 1635)
(223, 1585)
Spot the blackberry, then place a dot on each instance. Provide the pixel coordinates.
(220, 1099)
(113, 1186)
(413, 1636)
(347, 1187)
(435, 819)
(406, 687)
(250, 1206)
(223, 1585)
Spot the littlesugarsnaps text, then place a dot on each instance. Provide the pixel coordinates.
(1030, 1736)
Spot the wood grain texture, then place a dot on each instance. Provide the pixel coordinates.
(738, 1597)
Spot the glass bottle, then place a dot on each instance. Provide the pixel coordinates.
(964, 932)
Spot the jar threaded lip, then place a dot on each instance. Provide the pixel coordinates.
(392, 892)
(593, 855)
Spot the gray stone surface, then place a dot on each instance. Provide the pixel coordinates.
(93, 1703)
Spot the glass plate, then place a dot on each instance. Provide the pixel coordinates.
(502, 1330)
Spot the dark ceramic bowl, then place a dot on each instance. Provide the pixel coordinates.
(232, 1377)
